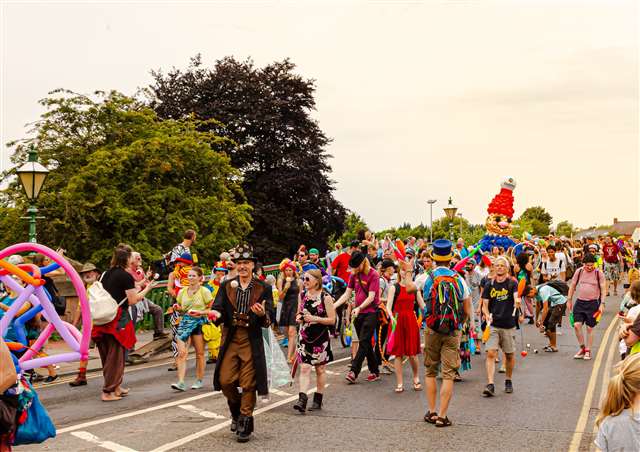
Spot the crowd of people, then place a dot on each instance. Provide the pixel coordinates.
(383, 295)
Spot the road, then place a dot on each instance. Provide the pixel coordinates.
(552, 408)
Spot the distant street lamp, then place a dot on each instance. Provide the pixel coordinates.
(32, 176)
(431, 203)
(450, 211)
(460, 216)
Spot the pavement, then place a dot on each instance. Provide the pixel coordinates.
(553, 408)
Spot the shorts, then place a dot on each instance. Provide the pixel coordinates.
(504, 338)
(553, 318)
(612, 271)
(583, 311)
(441, 350)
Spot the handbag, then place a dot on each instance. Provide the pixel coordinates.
(101, 304)
(8, 413)
(38, 426)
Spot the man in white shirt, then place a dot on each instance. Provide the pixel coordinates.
(554, 268)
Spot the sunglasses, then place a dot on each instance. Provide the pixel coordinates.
(307, 278)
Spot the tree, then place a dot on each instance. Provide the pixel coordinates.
(353, 225)
(532, 226)
(537, 213)
(564, 228)
(119, 174)
(281, 150)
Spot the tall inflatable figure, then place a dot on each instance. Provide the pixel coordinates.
(498, 222)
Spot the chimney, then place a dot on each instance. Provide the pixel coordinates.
(615, 220)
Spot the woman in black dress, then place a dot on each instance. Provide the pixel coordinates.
(316, 315)
(288, 290)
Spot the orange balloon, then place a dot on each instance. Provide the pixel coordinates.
(521, 286)
(400, 246)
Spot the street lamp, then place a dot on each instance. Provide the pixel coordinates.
(450, 211)
(431, 203)
(459, 215)
(32, 176)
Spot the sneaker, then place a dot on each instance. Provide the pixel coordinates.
(160, 335)
(373, 377)
(386, 370)
(580, 354)
(197, 385)
(587, 354)
(503, 369)
(79, 381)
(508, 386)
(489, 391)
(351, 377)
(179, 386)
(50, 379)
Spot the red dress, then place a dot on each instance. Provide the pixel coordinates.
(407, 334)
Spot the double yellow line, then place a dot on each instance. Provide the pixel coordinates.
(588, 398)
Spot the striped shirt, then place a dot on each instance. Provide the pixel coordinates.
(244, 298)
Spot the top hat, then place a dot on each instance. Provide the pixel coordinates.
(442, 250)
(242, 252)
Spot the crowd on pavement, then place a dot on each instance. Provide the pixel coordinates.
(392, 301)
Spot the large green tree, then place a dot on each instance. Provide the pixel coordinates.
(564, 228)
(281, 150)
(537, 213)
(120, 174)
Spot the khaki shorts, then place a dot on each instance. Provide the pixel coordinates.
(504, 338)
(443, 350)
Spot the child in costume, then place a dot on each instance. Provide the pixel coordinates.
(212, 333)
(178, 279)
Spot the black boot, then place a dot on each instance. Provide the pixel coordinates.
(317, 401)
(245, 427)
(235, 413)
(301, 404)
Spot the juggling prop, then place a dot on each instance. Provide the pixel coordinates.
(34, 293)
(498, 223)
(463, 262)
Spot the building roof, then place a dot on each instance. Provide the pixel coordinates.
(625, 227)
(591, 233)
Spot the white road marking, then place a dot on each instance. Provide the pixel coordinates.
(201, 412)
(278, 392)
(215, 428)
(136, 412)
(93, 439)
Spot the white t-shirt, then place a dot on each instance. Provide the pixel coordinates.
(553, 269)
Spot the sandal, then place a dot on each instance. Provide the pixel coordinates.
(550, 349)
(443, 422)
(417, 386)
(430, 417)
(399, 389)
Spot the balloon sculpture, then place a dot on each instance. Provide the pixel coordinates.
(32, 293)
(498, 222)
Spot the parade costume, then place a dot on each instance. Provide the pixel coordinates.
(242, 361)
(498, 222)
(314, 344)
(183, 266)
(406, 336)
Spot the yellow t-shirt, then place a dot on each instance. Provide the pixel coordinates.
(198, 302)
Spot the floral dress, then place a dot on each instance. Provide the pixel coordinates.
(314, 345)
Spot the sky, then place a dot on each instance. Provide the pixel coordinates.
(422, 99)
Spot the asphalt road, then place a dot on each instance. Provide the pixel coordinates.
(552, 408)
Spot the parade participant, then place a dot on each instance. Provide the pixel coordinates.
(340, 265)
(400, 301)
(611, 258)
(387, 274)
(588, 285)
(480, 272)
(365, 282)
(330, 257)
(193, 303)
(178, 279)
(145, 305)
(619, 419)
(314, 259)
(117, 336)
(188, 239)
(315, 316)
(500, 301)
(288, 289)
(553, 303)
(210, 332)
(446, 297)
(243, 306)
(553, 267)
(461, 250)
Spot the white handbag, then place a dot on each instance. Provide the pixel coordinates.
(101, 304)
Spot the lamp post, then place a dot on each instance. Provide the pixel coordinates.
(459, 215)
(32, 176)
(431, 203)
(450, 211)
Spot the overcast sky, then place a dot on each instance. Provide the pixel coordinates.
(423, 99)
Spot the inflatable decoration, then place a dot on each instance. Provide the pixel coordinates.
(498, 223)
(32, 294)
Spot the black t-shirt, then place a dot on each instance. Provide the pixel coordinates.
(501, 302)
(117, 281)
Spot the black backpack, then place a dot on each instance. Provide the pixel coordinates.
(558, 285)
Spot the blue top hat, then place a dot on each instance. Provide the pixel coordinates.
(442, 250)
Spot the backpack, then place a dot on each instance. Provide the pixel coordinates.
(101, 304)
(559, 286)
(445, 310)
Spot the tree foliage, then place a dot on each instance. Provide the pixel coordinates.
(564, 228)
(281, 151)
(532, 226)
(353, 226)
(537, 213)
(119, 174)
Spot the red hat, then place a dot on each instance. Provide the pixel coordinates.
(502, 203)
